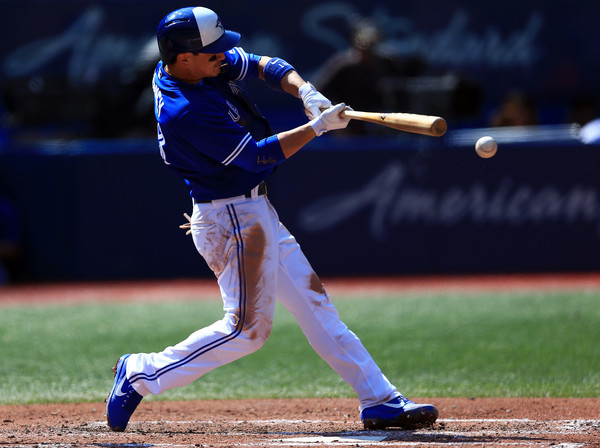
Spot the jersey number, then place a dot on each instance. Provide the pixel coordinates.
(161, 143)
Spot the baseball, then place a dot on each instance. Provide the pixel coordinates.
(486, 147)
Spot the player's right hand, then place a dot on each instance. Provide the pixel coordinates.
(330, 119)
(314, 101)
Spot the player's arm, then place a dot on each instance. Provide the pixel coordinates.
(281, 75)
(258, 155)
(278, 74)
(290, 81)
(293, 140)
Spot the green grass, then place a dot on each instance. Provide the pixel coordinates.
(473, 345)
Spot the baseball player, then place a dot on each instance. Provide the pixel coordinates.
(215, 138)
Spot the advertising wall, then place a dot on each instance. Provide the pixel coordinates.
(442, 209)
(82, 68)
(357, 206)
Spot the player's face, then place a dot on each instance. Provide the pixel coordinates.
(205, 65)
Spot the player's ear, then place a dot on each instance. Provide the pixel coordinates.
(183, 58)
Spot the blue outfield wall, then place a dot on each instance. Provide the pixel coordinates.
(99, 210)
(442, 209)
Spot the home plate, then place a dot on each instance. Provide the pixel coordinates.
(337, 439)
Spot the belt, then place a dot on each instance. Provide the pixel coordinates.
(259, 190)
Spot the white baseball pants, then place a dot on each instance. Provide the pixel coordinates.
(257, 261)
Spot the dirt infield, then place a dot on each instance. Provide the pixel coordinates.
(489, 422)
(207, 289)
(566, 423)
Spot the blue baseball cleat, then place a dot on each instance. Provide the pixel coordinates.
(123, 398)
(399, 412)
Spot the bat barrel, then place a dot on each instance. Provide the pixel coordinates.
(415, 123)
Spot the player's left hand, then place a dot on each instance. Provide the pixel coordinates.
(314, 101)
(330, 119)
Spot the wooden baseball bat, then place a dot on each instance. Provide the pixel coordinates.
(415, 123)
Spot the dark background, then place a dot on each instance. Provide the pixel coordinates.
(92, 199)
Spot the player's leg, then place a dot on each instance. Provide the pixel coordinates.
(236, 243)
(240, 246)
(302, 293)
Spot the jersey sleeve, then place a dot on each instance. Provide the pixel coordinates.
(223, 140)
(240, 65)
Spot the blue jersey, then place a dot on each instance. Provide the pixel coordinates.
(211, 134)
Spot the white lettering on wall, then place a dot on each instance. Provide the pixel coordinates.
(391, 202)
(454, 45)
(89, 51)
(87, 48)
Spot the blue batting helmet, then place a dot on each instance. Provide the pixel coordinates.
(194, 30)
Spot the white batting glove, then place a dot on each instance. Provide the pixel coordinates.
(330, 119)
(313, 100)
